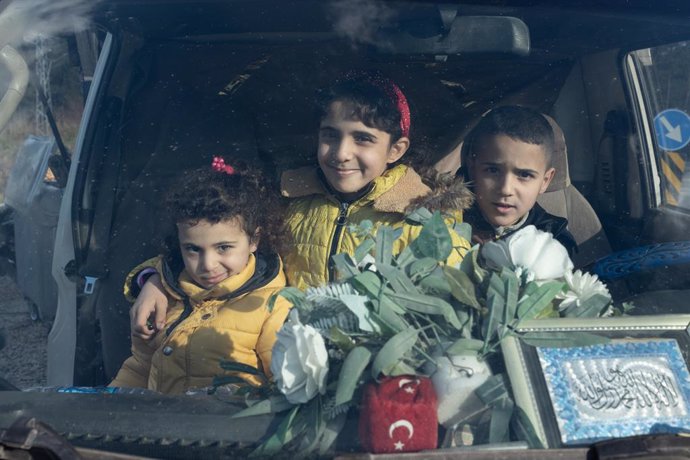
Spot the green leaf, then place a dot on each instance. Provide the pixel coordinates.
(495, 302)
(340, 339)
(396, 278)
(422, 267)
(363, 249)
(293, 295)
(511, 294)
(422, 303)
(494, 389)
(501, 413)
(283, 434)
(530, 306)
(369, 284)
(385, 236)
(590, 308)
(239, 367)
(353, 367)
(333, 429)
(562, 339)
(393, 351)
(344, 265)
(435, 286)
(357, 304)
(464, 230)
(471, 267)
(419, 216)
(523, 428)
(462, 287)
(434, 240)
(401, 368)
(465, 347)
(272, 405)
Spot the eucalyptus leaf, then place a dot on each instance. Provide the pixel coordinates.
(464, 230)
(496, 304)
(351, 371)
(370, 284)
(434, 240)
(333, 429)
(389, 318)
(393, 351)
(344, 265)
(364, 248)
(419, 216)
(512, 291)
(384, 245)
(435, 286)
(422, 303)
(283, 434)
(590, 308)
(396, 278)
(472, 268)
(465, 346)
(405, 257)
(401, 368)
(272, 405)
(495, 388)
(357, 304)
(523, 428)
(530, 306)
(562, 339)
(293, 295)
(422, 267)
(461, 286)
(501, 414)
(340, 339)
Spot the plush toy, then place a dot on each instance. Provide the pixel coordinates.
(399, 415)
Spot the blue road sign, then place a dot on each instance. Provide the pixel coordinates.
(672, 127)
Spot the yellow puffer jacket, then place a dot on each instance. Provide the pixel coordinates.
(317, 223)
(230, 321)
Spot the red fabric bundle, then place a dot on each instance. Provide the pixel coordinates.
(399, 415)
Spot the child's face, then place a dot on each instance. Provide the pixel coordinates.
(352, 154)
(214, 252)
(508, 177)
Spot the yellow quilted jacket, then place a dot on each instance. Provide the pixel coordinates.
(317, 223)
(230, 321)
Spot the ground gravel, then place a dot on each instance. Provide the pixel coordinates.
(23, 358)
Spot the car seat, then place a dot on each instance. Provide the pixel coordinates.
(563, 199)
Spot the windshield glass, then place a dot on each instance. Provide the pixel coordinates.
(464, 170)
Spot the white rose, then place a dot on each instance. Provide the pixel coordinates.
(300, 361)
(581, 287)
(454, 381)
(537, 252)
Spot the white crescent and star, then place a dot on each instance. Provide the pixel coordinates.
(402, 423)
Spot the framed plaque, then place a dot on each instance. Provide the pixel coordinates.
(636, 383)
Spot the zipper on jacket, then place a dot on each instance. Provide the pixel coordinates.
(339, 226)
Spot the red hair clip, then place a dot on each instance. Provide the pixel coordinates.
(219, 165)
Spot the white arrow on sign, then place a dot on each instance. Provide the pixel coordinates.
(673, 131)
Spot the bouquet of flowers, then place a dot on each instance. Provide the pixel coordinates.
(411, 316)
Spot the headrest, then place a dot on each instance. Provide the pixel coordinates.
(559, 159)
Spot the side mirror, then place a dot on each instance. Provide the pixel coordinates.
(465, 34)
(19, 71)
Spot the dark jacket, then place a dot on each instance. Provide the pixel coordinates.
(542, 220)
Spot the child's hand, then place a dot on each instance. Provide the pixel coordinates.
(147, 315)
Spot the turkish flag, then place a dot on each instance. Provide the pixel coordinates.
(399, 415)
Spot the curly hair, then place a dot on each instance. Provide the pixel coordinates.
(206, 194)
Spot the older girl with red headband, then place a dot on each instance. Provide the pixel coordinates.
(360, 175)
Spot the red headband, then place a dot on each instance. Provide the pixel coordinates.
(218, 164)
(394, 93)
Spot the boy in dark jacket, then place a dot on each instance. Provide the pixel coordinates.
(508, 163)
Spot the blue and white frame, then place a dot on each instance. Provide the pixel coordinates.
(622, 388)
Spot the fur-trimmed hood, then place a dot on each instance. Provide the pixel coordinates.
(447, 192)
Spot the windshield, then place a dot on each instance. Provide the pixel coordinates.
(123, 98)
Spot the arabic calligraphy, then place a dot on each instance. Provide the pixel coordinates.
(615, 387)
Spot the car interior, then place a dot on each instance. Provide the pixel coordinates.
(190, 84)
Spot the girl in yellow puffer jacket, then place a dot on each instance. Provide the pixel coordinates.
(363, 137)
(219, 273)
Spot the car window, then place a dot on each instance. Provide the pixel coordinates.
(663, 74)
